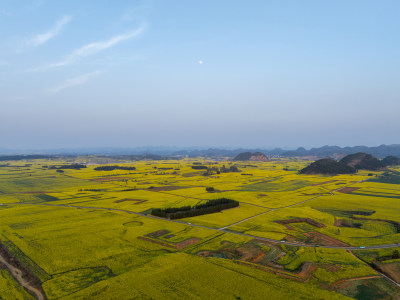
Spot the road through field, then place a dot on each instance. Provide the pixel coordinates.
(17, 274)
(271, 210)
(212, 228)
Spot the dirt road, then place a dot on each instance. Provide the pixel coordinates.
(17, 274)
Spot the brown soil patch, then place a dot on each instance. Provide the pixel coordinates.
(306, 271)
(166, 188)
(137, 201)
(261, 195)
(324, 240)
(345, 282)
(331, 268)
(325, 182)
(300, 220)
(347, 190)
(258, 258)
(391, 270)
(343, 223)
(182, 245)
(291, 238)
(226, 243)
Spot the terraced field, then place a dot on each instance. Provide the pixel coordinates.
(83, 233)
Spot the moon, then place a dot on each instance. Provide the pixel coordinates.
(200, 62)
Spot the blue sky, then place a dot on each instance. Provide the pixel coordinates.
(199, 73)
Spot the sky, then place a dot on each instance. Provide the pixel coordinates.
(283, 73)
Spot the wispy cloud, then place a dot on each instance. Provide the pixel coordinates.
(42, 38)
(93, 48)
(82, 79)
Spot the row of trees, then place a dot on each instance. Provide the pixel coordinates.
(73, 166)
(209, 207)
(111, 168)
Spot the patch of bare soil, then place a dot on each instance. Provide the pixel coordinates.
(261, 195)
(345, 282)
(166, 188)
(137, 201)
(325, 182)
(347, 190)
(293, 239)
(318, 238)
(331, 268)
(182, 245)
(391, 270)
(344, 223)
(300, 220)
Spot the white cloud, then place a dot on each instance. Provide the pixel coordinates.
(82, 79)
(42, 38)
(93, 48)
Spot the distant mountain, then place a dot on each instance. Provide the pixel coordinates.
(327, 166)
(336, 152)
(23, 157)
(362, 161)
(217, 152)
(248, 156)
(391, 161)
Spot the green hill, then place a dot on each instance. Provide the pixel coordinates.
(362, 161)
(327, 166)
(391, 161)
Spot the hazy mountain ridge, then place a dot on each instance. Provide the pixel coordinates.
(320, 152)
(328, 151)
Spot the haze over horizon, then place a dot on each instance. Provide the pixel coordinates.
(178, 73)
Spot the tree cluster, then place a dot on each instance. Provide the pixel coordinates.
(199, 167)
(72, 166)
(111, 168)
(209, 207)
(223, 169)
